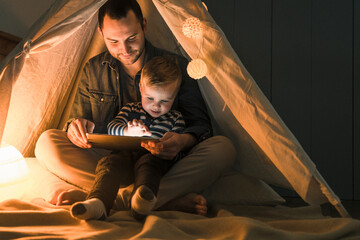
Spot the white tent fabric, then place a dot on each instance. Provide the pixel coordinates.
(38, 79)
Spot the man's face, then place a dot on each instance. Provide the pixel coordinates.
(124, 38)
(157, 100)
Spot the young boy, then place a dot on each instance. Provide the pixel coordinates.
(159, 85)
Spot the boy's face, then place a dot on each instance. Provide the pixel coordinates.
(157, 100)
(124, 38)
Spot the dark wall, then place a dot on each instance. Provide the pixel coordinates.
(7, 43)
(305, 56)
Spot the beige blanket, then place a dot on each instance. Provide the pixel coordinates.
(39, 220)
(30, 216)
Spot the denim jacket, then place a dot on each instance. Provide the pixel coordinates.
(100, 95)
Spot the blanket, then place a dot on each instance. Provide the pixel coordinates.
(27, 214)
(38, 219)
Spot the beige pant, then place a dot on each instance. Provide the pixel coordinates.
(194, 173)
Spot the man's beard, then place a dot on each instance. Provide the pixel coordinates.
(131, 61)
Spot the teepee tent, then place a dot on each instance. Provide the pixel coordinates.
(39, 78)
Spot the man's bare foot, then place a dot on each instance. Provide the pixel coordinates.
(190, 203)
(69, 197)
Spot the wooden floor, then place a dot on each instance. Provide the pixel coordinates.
(352, 206)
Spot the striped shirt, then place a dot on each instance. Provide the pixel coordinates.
(171, 121)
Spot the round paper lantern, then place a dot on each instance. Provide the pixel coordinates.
(197, 68)
(192, 28)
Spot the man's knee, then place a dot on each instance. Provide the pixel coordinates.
(49, 136)
(216, 153)
(46, 141)
(221, 151)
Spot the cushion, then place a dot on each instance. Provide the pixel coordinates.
(235, 188)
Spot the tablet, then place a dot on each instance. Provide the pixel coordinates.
(112, 142)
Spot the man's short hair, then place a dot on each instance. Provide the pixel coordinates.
(117, 9)
(161, 70)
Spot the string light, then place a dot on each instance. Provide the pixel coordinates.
(197, 68)
(192, 28)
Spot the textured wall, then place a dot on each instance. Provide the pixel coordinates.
(305, 56)
(17, 16)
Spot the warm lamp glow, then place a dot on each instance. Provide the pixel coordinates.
(192, 28)
(197, 68)
(12, 165)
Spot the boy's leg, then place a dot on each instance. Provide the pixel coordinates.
(113, 171)
(109, 176)
(148, 171)
(195, 172)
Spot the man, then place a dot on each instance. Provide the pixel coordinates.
(108, 82)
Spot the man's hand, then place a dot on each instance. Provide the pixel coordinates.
(169, 145)
(77, 132)
(136, 128)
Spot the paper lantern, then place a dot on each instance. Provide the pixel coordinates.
(197, 68)
(192, 28)
(13, 167)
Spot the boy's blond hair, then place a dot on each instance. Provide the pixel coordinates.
(161, 70)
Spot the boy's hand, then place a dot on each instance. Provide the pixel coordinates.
(136, 128)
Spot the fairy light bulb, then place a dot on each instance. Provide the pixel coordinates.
(197, 68)
(192, 28)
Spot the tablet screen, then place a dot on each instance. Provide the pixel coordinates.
(112, 142)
